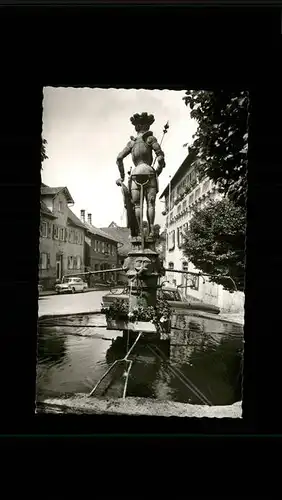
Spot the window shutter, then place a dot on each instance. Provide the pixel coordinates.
(49, 230)
(68, 262)
(65, 234)
(48, 261)
(178, 237)
(40, 261)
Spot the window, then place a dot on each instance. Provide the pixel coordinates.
(78, 262)
(197, 194)
(171, 240)
(44, 230)
(44, 261)
(191, 199)
(55, 232)
(60, 206)
(50, 229)
(180, 236)
(103, 246)
(179, 208)
(62, 234)
(70, 262)
(74, 263)
(184, 204)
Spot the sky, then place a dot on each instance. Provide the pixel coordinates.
(86, 128)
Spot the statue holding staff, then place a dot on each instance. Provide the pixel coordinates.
(143, 178)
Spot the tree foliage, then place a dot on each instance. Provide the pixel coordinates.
(220, 142)
(43, 150)
(215, 242)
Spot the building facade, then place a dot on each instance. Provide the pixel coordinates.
(100, 252)
(184, 192)
(122, 235)
(61, 244)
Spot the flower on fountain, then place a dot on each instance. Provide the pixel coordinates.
(130, 314)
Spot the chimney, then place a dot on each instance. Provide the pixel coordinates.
(82, 215)
(89, 218)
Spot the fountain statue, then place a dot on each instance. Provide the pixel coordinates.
(143, 265)
(143, 178)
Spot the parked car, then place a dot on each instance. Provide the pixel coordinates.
(172, 295)
(71, 285)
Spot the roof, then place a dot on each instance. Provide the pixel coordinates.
(45, 210)
(121, 234)
(73, 219)
(180, 172)
(99, 232)
(53, 191)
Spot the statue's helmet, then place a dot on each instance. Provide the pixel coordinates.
(142, 121)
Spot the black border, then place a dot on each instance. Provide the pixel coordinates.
(232, 47)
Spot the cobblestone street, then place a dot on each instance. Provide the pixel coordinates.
(69, 303)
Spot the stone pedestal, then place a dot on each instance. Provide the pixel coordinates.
(143, 268)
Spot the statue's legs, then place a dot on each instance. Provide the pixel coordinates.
(150, 195)
(135, 196)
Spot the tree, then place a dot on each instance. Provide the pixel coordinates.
(43, 151)
(220, 142)
(215, 242)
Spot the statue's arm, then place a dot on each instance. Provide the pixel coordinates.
(124, 153)
(159, 153)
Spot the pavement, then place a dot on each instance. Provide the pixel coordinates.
(105, 288)
(82, 404)
(90, 302)
(70, 303)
